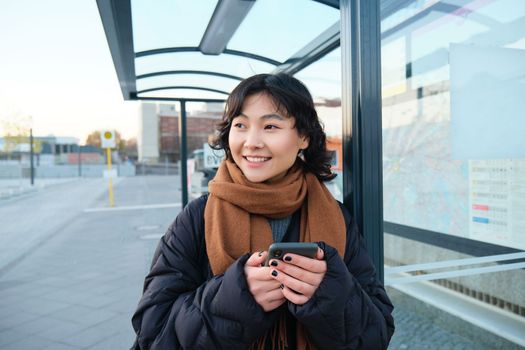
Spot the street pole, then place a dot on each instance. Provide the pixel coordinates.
(31, 157)
(79, 162)
(111, 200)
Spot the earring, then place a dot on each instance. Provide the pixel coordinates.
(301, 154)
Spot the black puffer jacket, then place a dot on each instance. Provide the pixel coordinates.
(185, 307)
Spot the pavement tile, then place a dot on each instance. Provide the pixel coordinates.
(42, 306)
(59, 346)
(8, 310)
(83, 315)
(17, 319)
(89, 337)
(33, 289)
(64, 330)
(69, 296)
(10, 336)
(123, 340)
(98, 301)
(44, 324)
(123, 306)
(11, 298)
(96, 288)
(55, 281)
(29, 343)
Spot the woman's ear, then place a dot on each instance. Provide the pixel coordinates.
(305, 142)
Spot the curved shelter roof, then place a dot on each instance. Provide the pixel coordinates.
(200, 50)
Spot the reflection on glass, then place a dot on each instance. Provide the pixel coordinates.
(454, 154)
(451, 94)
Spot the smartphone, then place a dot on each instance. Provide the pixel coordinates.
(278, 250)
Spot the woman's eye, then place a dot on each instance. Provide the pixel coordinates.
(271, 127)
(238, 125)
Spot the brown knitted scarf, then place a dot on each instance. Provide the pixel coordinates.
(237, 210)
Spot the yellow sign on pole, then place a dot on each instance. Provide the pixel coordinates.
(108, 142)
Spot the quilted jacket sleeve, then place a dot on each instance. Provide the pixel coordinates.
(350, 309)
(181, 308)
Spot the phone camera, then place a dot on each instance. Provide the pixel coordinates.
(277, 253)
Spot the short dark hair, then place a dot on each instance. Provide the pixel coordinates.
(293, 99)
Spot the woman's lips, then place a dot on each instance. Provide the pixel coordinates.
(256, 159)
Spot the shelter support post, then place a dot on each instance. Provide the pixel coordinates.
(362, 132)
(183, 147)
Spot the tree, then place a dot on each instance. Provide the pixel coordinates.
(16, 132)
(130, 149)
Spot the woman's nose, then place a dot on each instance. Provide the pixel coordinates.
(253, 140)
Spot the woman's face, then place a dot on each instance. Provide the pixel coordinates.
(263, 142)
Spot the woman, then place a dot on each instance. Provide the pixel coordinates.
(207, 288)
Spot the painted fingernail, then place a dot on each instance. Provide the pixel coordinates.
(273, 263)
(274, 273)
(281, 286)
(287, 258)
(260, 253)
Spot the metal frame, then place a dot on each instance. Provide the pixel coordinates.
(116, 19)
(196, 49)
(331, 3)
(325, 43)
(182, 87)
(197, 72)
(176, 99)
(226, 19)
(362, 132)
(183, 144)
(450, 242)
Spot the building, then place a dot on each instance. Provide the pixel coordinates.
(159, 130)
(50, 150)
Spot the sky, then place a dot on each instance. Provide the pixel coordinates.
(56, 67)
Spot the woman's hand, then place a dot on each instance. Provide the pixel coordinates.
(266, 291)
(301, 276)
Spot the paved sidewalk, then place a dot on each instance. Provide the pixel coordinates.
(79, 288)
(10, 188)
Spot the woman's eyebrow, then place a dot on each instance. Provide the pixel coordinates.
(266, 116)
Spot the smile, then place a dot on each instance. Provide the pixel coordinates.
(257, 159)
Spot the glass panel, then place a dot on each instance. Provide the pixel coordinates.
(203, 161)
(207, 81)
(262, 30)
(229, 64)
(160, 24)
(454, 163)
(184, 93)
(323, 79)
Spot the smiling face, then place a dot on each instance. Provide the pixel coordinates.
(263, 142)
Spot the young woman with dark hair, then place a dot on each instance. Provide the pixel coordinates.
(208, 288)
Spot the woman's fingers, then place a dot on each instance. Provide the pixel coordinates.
(313, 265)
(265, 290)
(298, 286)
(256, 259)
(295, 298)
(300, 275)
(271, 299)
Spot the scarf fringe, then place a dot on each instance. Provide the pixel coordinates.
(277, 335)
